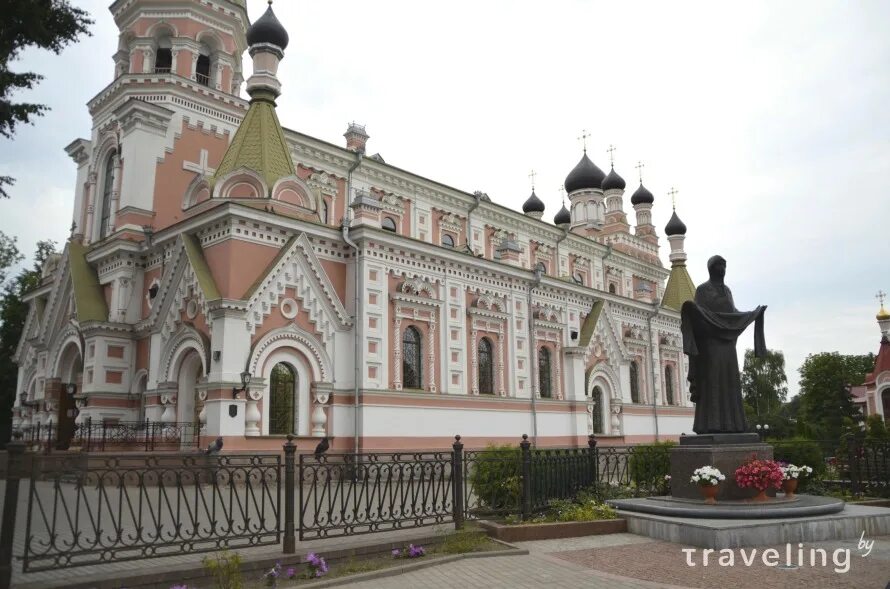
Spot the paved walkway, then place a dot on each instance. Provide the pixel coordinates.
(627, 561)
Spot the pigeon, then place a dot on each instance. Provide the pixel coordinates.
(322, 447)
(215, 446)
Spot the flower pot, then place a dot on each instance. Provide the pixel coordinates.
(789, 486)
(761, 496)
(709, 492)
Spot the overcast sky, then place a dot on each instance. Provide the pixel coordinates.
(770, 118)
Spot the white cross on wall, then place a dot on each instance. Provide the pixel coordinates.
(200, 167)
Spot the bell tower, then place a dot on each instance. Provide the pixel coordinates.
(201, 41)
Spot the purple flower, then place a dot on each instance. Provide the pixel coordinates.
(179, 587)
(396, 553)
(291, 573)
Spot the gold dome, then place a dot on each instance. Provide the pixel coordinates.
(883, 314)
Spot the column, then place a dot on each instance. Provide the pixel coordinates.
(431, 339)
(397, 350)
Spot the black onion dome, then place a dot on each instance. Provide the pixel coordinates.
(613, 181)
(675, 226)
(642, 196)
(267, 29)
(533, 204)
(563, 216)
(584, 175)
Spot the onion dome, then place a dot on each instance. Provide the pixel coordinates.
(613, 181)
(267, 29)
(533, 204)
(642, 196)
(883, 314)
(675, 226)
(584, 175)
(563, 217)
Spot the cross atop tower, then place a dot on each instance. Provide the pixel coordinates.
(611, 151)
(562, 193)
(673, 195)
(639, 167)
(532, 175)
(583, 138)
(881, 296)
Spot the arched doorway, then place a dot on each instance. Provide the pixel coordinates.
(283, 400)
(885, 404)
(596, 409)
(70, 374)
(187, 409)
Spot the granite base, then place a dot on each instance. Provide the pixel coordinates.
(725, 457)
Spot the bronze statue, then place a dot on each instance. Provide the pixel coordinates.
(711, 325)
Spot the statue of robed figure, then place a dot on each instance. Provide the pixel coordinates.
(711, 325)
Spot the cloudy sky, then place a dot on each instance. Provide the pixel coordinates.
(771, 119)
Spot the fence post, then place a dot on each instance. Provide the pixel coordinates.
(89, 426)
(49, 437)
(145, 434)
(457, 482)
(853, 449)
(594, 463)
(15, 451)
(290, 541)
(525, 446)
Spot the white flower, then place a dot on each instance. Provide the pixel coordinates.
(695, 478)
(715, 483)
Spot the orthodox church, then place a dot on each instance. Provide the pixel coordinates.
(873, 396)
(251, 281)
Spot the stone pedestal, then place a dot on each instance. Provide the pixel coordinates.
(723, 451)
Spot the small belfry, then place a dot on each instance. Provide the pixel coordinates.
(680, 287)
(259, 144)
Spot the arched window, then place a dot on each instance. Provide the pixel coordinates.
(634, 382)
(389, 224)
(541, 267)
(282, 400)
(202, 67)
(612, 288)
(669, 385)
(544, 384)
(486, 367)
(107, 186)
(596, 400)
(412, 359)
(163, 56)
(324, 213)
(447, 240)
(578, 278)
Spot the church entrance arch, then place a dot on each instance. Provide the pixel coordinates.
(70, 373)
(188, 405)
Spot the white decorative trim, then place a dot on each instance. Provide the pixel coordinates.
(185, 337)
(302, 341)
(288, 308)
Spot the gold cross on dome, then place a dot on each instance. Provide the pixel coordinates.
(611, 151)
(532, 175)
(639, 167)
(583, 138)
(881, 296)
(673, 195)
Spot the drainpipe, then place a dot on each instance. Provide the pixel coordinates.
(649, 318)
(532, 356)
(357, 288)
(475, 206)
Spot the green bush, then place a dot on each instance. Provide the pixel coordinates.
(225, 568)
(650, 464)
(496, 477)
(801, 452)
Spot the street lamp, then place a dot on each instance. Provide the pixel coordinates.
(762, 430)
(245, 380)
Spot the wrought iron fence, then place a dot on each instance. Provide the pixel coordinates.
(641, 470)
(92, 510)
(147, 435)
(346, 494)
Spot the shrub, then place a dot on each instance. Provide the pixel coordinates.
(650, 464)
(225, 568)
(496, 478)
(800, 451)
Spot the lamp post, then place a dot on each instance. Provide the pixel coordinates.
(762, 430)
(245, 380)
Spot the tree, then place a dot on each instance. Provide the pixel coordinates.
(13, 312)
(47, 24)
(826, 407)
(764, 384)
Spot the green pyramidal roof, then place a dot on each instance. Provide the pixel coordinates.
(259, 145)
(679, 289)
(89, 299)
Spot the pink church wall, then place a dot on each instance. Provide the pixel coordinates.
(236, 265)
(336, 272)
(275, 320)
(171, 181)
